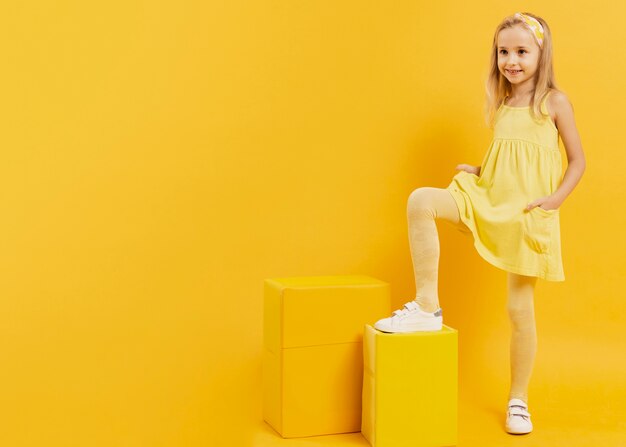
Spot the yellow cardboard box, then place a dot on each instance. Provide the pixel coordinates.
(410, 388)
(313, 351)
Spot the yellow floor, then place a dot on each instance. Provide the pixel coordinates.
(575, 400)
(483, 425)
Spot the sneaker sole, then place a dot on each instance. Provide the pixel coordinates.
(518, 431)
(515, 432)
(427, 327)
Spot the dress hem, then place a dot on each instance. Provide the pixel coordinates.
(514, 269)
(487, 256)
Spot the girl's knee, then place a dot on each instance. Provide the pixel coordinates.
(521, 312)
(434, 203)
(420, 201)
(421, 197)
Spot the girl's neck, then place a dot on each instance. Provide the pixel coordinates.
(517, 99)
(520, 95)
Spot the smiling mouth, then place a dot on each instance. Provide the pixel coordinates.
(513, 72)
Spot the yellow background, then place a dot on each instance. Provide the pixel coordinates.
(160, 159)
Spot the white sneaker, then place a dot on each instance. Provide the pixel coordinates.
(518, 417)
(411, 318)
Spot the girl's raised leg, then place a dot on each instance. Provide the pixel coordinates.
(424, 205)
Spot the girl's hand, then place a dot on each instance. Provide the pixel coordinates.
(547, 203)
(469, 168)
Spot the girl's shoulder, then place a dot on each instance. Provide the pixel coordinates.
(557, 100)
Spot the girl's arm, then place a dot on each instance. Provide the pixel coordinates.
(573, 147)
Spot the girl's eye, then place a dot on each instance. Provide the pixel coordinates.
(504, 51)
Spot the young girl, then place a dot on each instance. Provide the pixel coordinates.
(510, 204)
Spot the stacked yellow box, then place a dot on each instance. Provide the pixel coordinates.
(313, 351)
(410, 388)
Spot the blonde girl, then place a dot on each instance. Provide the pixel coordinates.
(510, 203)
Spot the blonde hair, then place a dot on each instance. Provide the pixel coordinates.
(498, 86)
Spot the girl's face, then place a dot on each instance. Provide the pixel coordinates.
(518, 55)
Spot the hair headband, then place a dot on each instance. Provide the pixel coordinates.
(534, 26)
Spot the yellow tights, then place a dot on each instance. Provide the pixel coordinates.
(427, 204)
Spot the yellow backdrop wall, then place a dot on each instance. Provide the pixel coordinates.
(160, 159)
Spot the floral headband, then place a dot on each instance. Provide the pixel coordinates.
(534, 26)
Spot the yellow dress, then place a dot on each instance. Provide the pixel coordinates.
(522, 163)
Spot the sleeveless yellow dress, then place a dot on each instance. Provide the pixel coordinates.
(522, 163)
